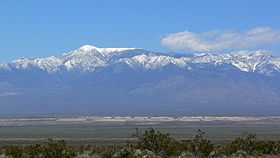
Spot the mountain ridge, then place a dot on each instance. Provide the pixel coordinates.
(133, 81)
(87, 58)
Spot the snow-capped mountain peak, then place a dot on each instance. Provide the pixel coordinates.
(95, 78)
(251, 53)
(88, 48)
(87, 58)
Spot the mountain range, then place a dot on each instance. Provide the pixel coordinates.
(132, 81)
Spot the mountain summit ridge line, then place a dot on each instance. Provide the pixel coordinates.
(87, 58)
(133, 81)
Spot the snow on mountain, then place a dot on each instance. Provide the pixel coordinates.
(88, 58)
(152, 61)
(246, 61)
(50, 64)
(88, 48)
(250, 61)
(4, 67)
(276, 63)
(131, 80)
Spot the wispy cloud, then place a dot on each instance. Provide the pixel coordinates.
(8, 94)
(222, 40)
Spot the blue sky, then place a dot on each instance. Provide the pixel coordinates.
(33, 28)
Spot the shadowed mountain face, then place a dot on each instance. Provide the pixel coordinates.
(128, 81)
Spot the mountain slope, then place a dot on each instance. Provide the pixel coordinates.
(87, 58)
(123, 81)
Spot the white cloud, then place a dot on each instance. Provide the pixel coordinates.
(222, 40)
(8, 94)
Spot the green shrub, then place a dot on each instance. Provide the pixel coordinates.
(157, 142)
(13, 151)
(33, 151)
(128, 151)
(58, 149)
(152, 143)
(198, 144)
